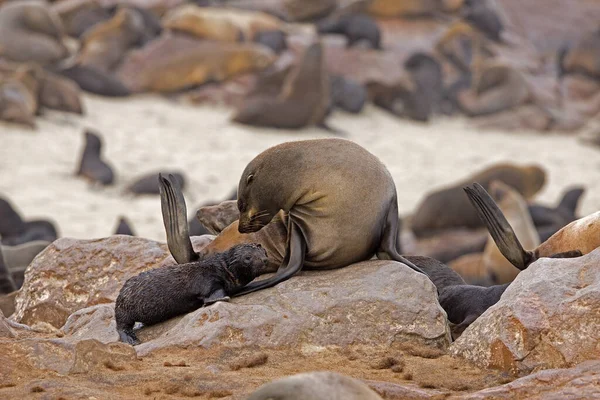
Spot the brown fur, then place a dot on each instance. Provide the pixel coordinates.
(227, 25)
(583, 57)
(450, 208)
(174, 62)
(31, 31)
(105, 45)
(515, 209)
(582, 234)
(19, 87)
(303, 101)
(463, 46)
(80, 15)
(58, 93)
(412, 8)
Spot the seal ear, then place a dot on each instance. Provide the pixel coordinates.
(249, 179)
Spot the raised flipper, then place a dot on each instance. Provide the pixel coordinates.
(174, 214)
(390, 243)
(503, 234)
(290, 266)
(570, 200)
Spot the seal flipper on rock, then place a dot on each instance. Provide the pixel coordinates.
(291, 265)
(174, 213)
(503, 234)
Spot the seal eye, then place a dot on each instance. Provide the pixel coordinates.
(247, 260)
(249, 179)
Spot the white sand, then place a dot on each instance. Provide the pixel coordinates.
(147, 134)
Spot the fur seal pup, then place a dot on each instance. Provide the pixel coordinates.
(93, 80)
(426, 73)
(577, 238)
(463, 303)
(124, 227)
(324, 385)
(91, 164)
(303, 101)
(7, 285)
(514, 207)
(31, 31)
(549, 220)
(273, 39)
(449, 208)
(106, 43)
(480, 14)
(355, 27)
(347, 94)
(162, 293)
(357, 195)
(148, 184)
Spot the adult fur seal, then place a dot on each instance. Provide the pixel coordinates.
(31, 31)
(303, 101)
(449, 207)
(91, 164)
(357, 195)
(162, 293)
(355, 27)
(315, 386)
(577, 238)
(7, 285)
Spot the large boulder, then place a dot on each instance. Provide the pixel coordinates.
(73, 274)
(547, 318)
(375, 303)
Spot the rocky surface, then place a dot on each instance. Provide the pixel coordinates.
(73, 274)
(380, 303)
(547, 318)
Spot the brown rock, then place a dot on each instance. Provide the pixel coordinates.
(547, 318)
(92, 354)
(73, 274)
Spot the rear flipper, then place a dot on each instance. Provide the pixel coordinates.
(390, 243)
(126, 335)
(174, 213)
(217, 295)
(291, 265)
(503, 234)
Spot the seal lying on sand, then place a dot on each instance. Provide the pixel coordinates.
(91, 164)
(355, 27)
(577, 238)
(148, 184)
(162, 293)
(340, 200)
(315, 386)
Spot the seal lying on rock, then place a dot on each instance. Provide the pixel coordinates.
(162, 293)
(341, 204)
(315, 386)
(577, 238)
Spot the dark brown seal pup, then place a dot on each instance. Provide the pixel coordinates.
(355, 27)
(577, 238)
(7, 285)
(549, 220)
(31, 31)
(347, 94)
(449, 207)
(148, 184)
(325, 385)
(124, 228)
(14, 231)
(463, 303)
(162, 293)
(91, 164)
(273, 39)
(304, 99)
(426, 73)
(480, 14)
(93, 80)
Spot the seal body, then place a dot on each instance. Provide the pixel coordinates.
(148, 184)
(162, 293)
(315, 386)
(355, 27)
(91, 164)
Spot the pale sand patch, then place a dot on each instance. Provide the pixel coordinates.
(148, 133)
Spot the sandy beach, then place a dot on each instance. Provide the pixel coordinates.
(148, 133)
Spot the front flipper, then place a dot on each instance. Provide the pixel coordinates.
(291, 265)
(390, 240)
(174, 214)
(217, 295)
(503, 234)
